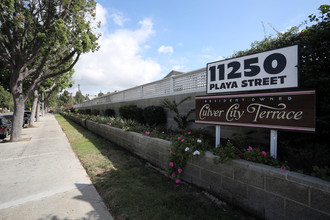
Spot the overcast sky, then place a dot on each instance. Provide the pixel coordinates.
(143, 40)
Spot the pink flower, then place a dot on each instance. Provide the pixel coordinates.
(177, 181)
(121, 125)
(179, 138)
(189, 132)
(109, 123)
(250, 148)
(182, 140)
(264, 153)
(147, 133)
(173, 174)
(180, 170)
(171, 164)
(283, 168)
(170, 152)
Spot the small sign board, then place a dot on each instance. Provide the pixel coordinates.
(281, 110)
(274, 69)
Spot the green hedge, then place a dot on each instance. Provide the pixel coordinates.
(110, 113)
(132, 112)
(154, 115)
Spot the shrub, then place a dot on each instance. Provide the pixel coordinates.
(183, 147)
(181, 120)
(259, 156)
(154, 115)
(88, 111)
(110, 113)
(95, 112)
(131, 112)
(225, 153)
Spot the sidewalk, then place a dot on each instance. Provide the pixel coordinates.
(41, 178)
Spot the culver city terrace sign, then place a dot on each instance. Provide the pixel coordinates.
(280, 110)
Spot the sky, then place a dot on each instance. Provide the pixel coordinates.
(143, 40)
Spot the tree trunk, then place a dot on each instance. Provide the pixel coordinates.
(34, 106)
(38, 111)
(17, 118)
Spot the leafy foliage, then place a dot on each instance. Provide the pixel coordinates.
(65, 98)
(41, 40)
(79, 98)
(109, 112)
(181, 120)
(95, 112)
(225, 153)
(154, 115)
(6, 100)
(132, 112)
(259, 156)
(183, 147)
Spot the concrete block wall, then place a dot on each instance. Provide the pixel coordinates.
(184, 108)
(142, 103)
(261, 190)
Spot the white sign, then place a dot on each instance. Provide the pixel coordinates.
(274, 69)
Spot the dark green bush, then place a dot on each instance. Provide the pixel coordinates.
(83, 111)
(154, 115)
(132, 112)
(110, 113)
(95, 112)
(88, 111)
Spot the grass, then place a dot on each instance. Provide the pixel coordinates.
(132, 190)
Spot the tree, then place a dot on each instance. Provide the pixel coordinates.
(49, 86)
(79, 98)
(41, 40)
(100, 94)
(64, 99)
(6, 100)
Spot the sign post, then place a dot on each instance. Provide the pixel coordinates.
(217, 135)
(273, 143)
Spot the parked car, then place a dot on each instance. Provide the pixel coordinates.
(5, 127)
